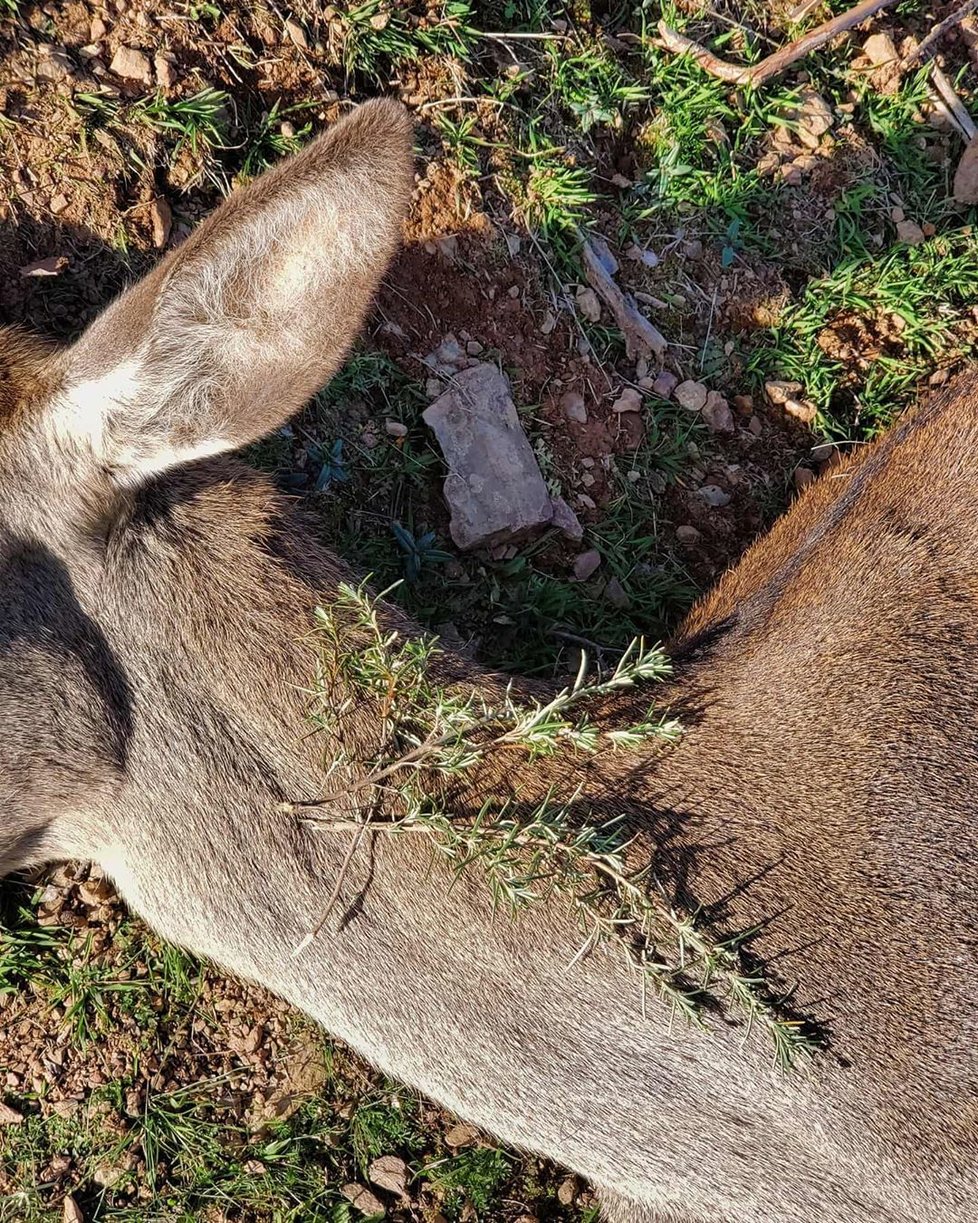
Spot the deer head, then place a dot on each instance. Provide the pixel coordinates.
(222, 342)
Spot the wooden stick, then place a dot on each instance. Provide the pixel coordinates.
(771, 65)
(955, 107)
(641, 338)
(924, 48)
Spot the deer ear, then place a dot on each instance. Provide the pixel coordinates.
(231, 334)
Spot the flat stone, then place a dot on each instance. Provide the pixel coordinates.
(296, 35)
(630, 400)
(132, 65)
(586, 564)
(165, 63)
(687, 535)
(573, 407)
(616, 594)
(713, 495)
(909, 232)
(494, 487)
(161, 218)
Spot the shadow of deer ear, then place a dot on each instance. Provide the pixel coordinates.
(231, 334)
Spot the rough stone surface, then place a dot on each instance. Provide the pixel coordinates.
(132, 65)
(566, 521)
(161, 218)
(630, 400)
(494, 488)
(691, 395)
(165, 64)
(664, 384)
(909, 232)
(717, 414)
(586, 564)
(573, 407)
(713, 495)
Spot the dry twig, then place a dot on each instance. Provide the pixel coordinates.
(641, 338)
(778, 61)
(925, 48)
(944, 94)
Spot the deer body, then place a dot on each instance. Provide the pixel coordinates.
(154, 608)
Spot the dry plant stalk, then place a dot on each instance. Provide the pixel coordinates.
(774, 64)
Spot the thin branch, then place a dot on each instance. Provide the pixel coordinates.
(778, 61)
(641, 338)
(952, 104)
(925, 48)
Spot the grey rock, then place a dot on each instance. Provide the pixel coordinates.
(573, 407)
(566, 521)
(586, 564)
(494, 488)
(713, 495)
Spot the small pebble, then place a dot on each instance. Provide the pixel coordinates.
(573, 407)
(691, 395)
(586, 564)
(630, 400)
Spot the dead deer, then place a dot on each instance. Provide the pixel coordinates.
(156, 597)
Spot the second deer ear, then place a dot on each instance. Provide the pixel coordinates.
(236, 329)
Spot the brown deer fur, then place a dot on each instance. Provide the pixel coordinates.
(154, 617)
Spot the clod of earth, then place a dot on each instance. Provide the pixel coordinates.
(881, 61)
(494, 488)
(801, 409)
(588, 304)
(813, 118)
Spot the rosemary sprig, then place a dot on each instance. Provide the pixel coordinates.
(526, 852)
